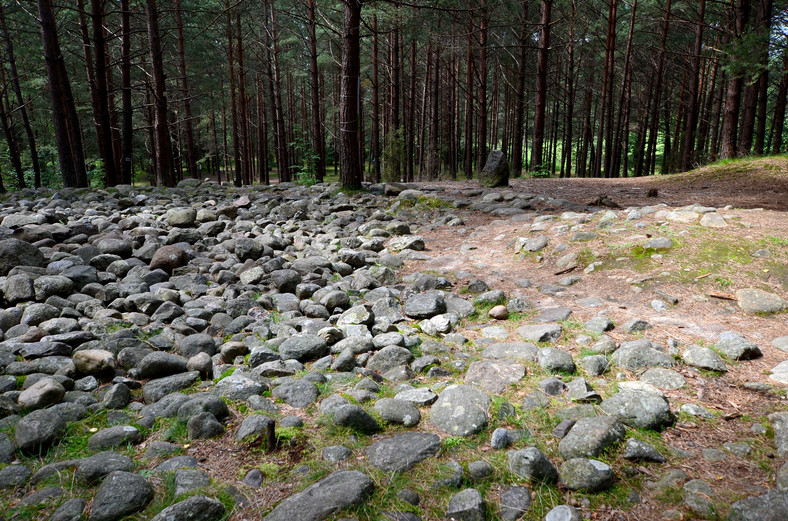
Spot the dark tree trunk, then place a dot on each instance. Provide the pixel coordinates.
(31, 140)
(8, 131)
(779, 108)
(127, 110)
(68, 134)
(482, 133)
(621, 144)
(104, 126)
(349, 160)
(375, 145)
(411, 123)
(540, 101)
(191, 154)
(651, 151)
(733, 96)
(519, 110)
(317, 124)
(469, 88)
(691, 122)
(164, 167)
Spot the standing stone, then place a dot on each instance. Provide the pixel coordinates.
(336, 492)
(496, 170)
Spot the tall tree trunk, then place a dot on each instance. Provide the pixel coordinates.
(651, 151)
(375, 145)
(621, 144)
(68, 134)
(691, 122)
(164, 167)
(540, 101)
(275, 82)
(433, 151)
(127, 110)
(519, 109)
(349, 160)
(243, 109)
(31, 140)
(483, 34)
(469, 88)
(778, 123)
(730, 116)
(317, 124)
(411, 123)
(102, 94)
(8, 131)
(191, 155)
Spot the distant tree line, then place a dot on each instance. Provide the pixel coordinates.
(100, 92)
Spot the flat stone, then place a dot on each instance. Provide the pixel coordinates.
(338, 491)
(532, 464)
(736, 347)
(586, 475)
(194, 508)
(759, 301)
(515, 502)
(120, 494)
(461, 410)
(402, 452)
(514, 350)
(589, 437)
(639, 409)
(540, 332)
(703, 358)
(494, 376)
(466, 505)
(666, 379)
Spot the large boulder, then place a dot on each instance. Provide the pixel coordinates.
(496, 170)
(121, 494)
(639, 409)
(38, 430)
(401, 452)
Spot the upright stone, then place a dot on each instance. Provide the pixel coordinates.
(496, 170)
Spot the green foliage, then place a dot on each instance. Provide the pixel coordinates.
(304, 172)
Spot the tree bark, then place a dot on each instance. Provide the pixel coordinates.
(68, 134)
(191, 155)
(317, 125)
(8, 131)
(540, 101)
(163, 147)
(104, 126)
(349, 160)
(127, 146)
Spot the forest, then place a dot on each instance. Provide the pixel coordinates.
(99, 93)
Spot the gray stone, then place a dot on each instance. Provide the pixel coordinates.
(599, 325)
(658, 244)
(595, 365)
(95, 467)
(781, 343)
(703, 358)
(552, 315)
(303, 348)
(589, 437)
(398, 411)
(120, 494)
(635, 325)
(425, 305)
(586, 475)
(759, 301)
(639, 409)
(14, 252)
(521, 350)
(13, 476)
(495, 172)
(402, 452)
(666, 379)
(161, 363)
(388, 358)
(736, 347)
(555, 360)
(771, 506)
(340, 490)
(563, 513)
(494, 376)
(540, 332)
(204, 425)
(300, 393)
(356, 418)
(203, 402)
(639, 354)
(637, 450)
(44, 392)
(779, 373)
(155, 390)
(515, 502)
(193, 345)
(38, 430)
(461, 410)
(420, 397)
(697, 410)
(780, 423)
(466, 505)
(479, 470)
(168, 258)
(194, 508)
(187, 480)
(116, 436)
(336, 453)
(181, 217)
(532, 464)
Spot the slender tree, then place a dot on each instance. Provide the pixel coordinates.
(165, 171)
(540, 101)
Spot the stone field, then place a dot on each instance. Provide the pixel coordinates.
(407, 352)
